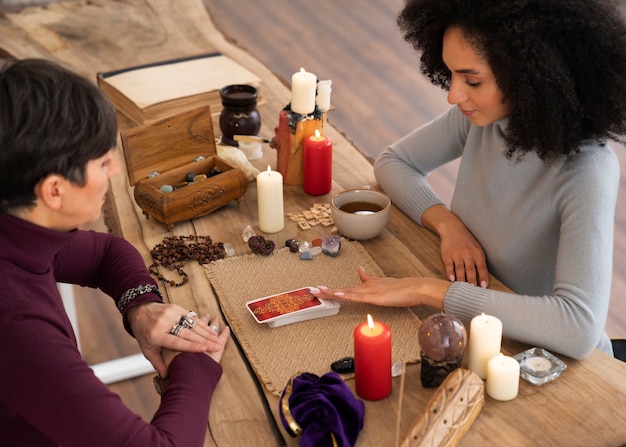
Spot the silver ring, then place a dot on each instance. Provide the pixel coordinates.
(177, 329)
(188, 321)
(215, 329)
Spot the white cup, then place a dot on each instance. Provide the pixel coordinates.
(360, 214)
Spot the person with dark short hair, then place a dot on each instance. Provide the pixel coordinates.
(57, 140)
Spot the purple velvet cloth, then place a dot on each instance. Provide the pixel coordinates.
(324, 408)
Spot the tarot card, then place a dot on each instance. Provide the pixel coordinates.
(290, 307)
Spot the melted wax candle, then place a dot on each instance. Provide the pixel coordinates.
(372, 360)
(303, 86)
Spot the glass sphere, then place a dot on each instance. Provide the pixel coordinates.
(442, 337)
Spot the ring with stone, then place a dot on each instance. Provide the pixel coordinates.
(177, 329)
(188, 321)
(215, 329)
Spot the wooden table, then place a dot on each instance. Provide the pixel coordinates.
(585, 406)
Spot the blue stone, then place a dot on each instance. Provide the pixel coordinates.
(306, 256)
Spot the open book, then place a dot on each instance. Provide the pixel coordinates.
(148, 92)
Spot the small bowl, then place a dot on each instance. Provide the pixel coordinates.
(360, 214)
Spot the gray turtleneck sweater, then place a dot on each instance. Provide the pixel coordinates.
(546, 228)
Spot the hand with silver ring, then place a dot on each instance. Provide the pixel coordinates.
(152, 324)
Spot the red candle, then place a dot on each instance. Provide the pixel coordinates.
(318, 164)
(372, 359)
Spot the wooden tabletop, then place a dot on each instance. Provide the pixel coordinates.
(585, 406)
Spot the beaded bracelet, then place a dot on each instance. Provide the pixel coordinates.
(131, 294)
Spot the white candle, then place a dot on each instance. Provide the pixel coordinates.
(502, 378)
(303, 85)
(270, 197)
(538, 364)
(323, 95)
(485, 339)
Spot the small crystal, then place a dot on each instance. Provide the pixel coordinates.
(230, 250)
(247, 233)
(396, 369)
(293, 245)
(306, 256)
(167, 188)
(331, 245)
(304, 247)
(315, 250)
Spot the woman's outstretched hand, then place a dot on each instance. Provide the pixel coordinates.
(392, 292)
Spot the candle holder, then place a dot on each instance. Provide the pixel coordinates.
(442, 339)
(538, 366)
(289, 138)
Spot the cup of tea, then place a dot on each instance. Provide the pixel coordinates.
(360, 214)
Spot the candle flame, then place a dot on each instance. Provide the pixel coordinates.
(317, 134)
(302, 70)
(370, 321)
(269, 169)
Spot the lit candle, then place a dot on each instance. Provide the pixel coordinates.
(502, 377)
(485, 339)
(303, 85)
(323, 95)
(318, 164)
(372, 359)
(270, 198)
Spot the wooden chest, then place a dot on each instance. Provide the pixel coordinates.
(166, 154)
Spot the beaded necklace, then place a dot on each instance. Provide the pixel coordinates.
(174, 251)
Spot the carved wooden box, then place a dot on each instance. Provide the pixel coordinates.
(168, 153)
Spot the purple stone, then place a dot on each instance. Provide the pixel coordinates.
(331, 245)
(261, 246)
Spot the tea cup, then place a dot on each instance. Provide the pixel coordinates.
(361, 213)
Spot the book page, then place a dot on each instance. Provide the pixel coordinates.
(155, 84)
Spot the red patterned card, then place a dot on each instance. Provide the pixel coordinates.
(271, 307)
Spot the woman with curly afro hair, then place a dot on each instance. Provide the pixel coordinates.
(537, 89)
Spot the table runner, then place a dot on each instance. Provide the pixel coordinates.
(276, 354)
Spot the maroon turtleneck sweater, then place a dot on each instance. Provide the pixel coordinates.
(49, 396)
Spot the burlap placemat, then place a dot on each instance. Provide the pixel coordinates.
(276, 354)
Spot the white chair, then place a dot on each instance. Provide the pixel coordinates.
(113, 370)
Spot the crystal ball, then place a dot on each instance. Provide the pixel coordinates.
(442, 337)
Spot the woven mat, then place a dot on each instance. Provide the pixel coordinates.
(276, 354)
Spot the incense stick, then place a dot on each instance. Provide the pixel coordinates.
(250, 139)
(401, 394)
